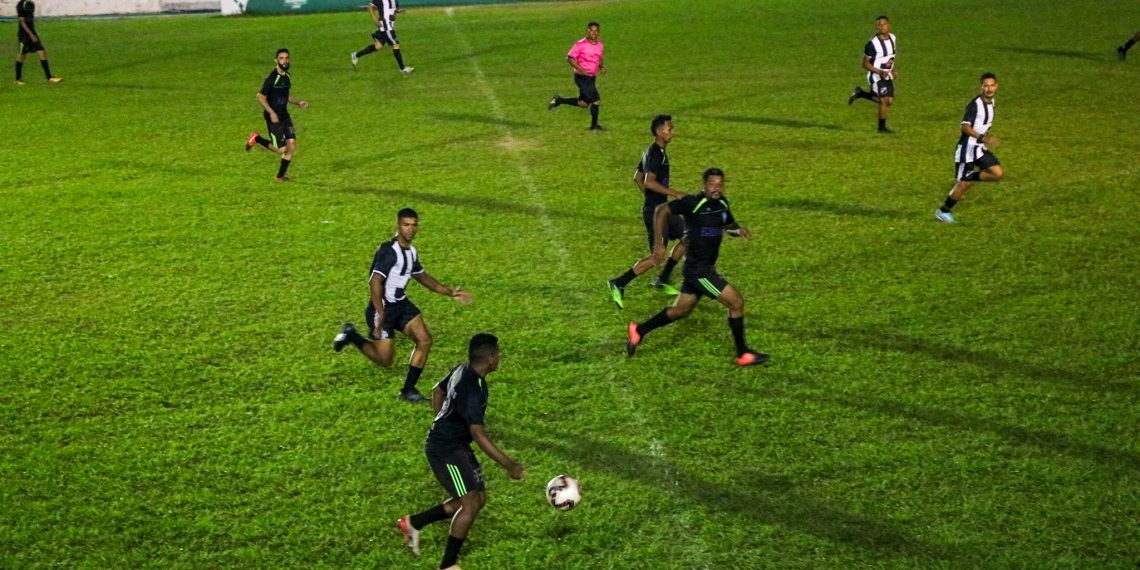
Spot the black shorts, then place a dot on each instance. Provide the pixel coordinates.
(883, 88)
(674, 229)
(456, 469)
(281, 131)
(386, 37)
(28, 46)
(987, 160)
(587, 88)
(708, 283)
(396, 316)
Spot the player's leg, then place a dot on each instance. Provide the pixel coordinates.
(466, 482)
(379, 347)
(20, 68)
(373, 47)
(417, 330)
(617, 284)
(286, 159)
(680, 309)
(885, 97)
(731, 298)
(445, 466)
(395, 41)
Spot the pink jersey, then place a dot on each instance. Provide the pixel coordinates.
(588, 55)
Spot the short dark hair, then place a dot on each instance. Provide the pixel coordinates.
(482, 347)
(714, 171)
(281, 51)
(406, 213)
(987, 75)
(657, 122)
(882, 18)
(593, 25)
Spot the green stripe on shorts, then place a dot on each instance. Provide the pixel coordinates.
(708, 285)
(457, 479)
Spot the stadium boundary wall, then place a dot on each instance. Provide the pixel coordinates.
(111, 7)
(232, 7)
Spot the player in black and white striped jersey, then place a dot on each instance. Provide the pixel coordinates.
(384, 14)
(973, 148)
(879, 61)
(389, 310)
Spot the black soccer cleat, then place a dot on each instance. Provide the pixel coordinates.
(414, 396)
(344, 337)
(1121, 53)
(855, 93)
(553, 104)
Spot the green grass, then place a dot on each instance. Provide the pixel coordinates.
(938, 397)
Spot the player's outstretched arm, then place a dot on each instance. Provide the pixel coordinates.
(431, 284)
(737, 230)
(479, 434)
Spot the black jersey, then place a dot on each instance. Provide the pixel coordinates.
(276, 91)
(464, 406)
(26, 9)
(656, 161)
(705, 220)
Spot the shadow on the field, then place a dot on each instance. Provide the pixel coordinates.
(498, 49)
(772, 122)
(861, 339)
(483, 119)
(1048, 442)
(763, 497)
(805, 205)
(374, 155)
(489, 204)
(1063, 53)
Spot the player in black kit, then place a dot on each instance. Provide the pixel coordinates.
(652, 177)
(460, 402)
(29, 41)
(707, 219)
(275, 98)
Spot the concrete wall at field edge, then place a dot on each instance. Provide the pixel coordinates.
(230, 7)
(48, 8)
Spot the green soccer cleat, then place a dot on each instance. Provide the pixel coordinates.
(617, 294)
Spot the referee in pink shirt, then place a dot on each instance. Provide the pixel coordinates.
(586, 59)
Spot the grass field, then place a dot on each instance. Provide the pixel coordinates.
(938, 397)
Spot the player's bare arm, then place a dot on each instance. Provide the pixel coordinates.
(737, 230)
(479, 434)
(27, 30)
(660, 223)
(299, 102)
(987, 139)
(376, 295)
(261, 98)
(437, 398)
(574, 63)
(650, 183)
(434, 286)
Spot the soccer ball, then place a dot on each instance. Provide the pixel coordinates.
(563, 492)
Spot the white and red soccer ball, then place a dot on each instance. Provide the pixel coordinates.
(563, 492)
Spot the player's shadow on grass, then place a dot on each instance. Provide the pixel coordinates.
(489, 204)
(1061, 53)
(861, 339)
(484, 119)
(815, 393)
(805, 205)
(763, 497)
(772, 122)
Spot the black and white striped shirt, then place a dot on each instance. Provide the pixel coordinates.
(387, 10)
(881, 53)
(396, 265)
(980, 116)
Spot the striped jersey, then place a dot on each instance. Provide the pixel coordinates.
(980, 116)
(881, 52)
(387, 10)
(396, 265)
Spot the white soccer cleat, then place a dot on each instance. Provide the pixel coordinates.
(353, 59)
(411, 535)
(945, 217)
(407, 70)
